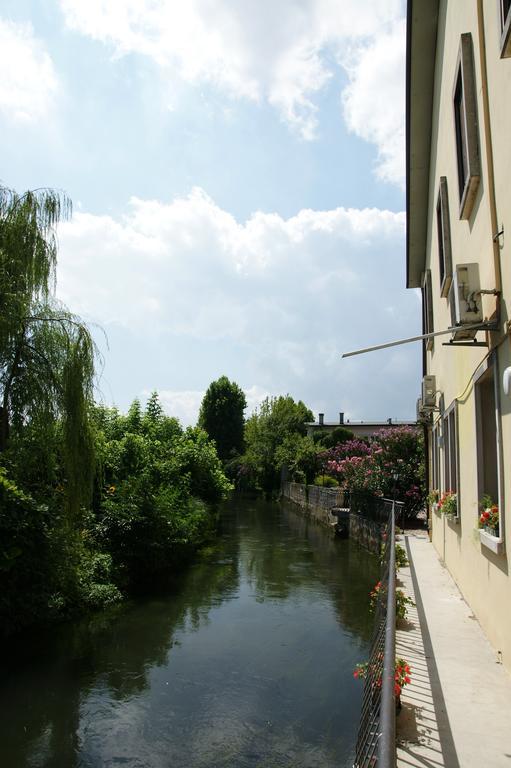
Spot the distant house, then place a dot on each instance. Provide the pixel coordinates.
(359, 428)
(459, 255)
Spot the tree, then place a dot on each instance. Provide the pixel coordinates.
(330, 438)
(221, 416)
(299, 455)
(46, 353)
(268, 429)
(155, 491)
(153, 409)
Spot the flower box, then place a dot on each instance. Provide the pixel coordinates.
(494, 543)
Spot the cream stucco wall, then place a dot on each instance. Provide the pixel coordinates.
(483, 576)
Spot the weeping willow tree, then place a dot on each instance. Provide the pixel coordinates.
(46, 353)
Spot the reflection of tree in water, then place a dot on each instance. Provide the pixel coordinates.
(268, 558)
(298, 551)
(46, 697)
(349, 571)
(48, 676)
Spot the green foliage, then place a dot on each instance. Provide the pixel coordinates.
(94, 577)
(326, 481)
(46, 444)
(330, 438)
(221, 416)
(153, 412)
(90, 500)
(401, 558)
(299, 455)
(46, 353)
(150, 511)
(368, 467)
(275, 437)
(28, 576)
(379, 592)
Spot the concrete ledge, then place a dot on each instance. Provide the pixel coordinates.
(495, 543)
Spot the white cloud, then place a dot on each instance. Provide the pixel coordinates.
(282, 298)
(185, 403)
(281, 52)
(191, 268)
(374, 100)
(28, 83)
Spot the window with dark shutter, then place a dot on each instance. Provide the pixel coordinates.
(487, 444)
(444, 238)
(465, 127)
(427, 308)
(450, 441)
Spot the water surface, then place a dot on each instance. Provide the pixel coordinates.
(246, 662)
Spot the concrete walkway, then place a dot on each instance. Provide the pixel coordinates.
(457, 710)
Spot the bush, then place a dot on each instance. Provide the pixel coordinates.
(368, 466)
(95, 574)
(326, 481)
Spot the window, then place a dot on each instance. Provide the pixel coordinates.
(450, 427)
(444, 237)
(435, 456)
(465, 125)
(427, 308)
(486, 431)
(505, 27)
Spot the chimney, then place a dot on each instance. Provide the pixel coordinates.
(341, 417)
(321, 416)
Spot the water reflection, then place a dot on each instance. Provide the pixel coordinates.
(246, 662)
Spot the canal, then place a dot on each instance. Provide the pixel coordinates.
(246, 661)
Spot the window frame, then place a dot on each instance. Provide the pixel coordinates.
(504, 28)
(451, 445)
(444, 237)
(435, 456)
(428, 325)
(466, 132)
(490, 364)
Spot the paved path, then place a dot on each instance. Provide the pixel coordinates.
(457, 711)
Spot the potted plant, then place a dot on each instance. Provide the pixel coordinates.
(489, 517)
(448, 504)
(433, 499)
(402, 676)
(402, 601)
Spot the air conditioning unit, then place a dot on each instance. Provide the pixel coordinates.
(428, 393)
(465, 300)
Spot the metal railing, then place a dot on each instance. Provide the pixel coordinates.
(376, 741)
(371, 507)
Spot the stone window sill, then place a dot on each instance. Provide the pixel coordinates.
(494, 543)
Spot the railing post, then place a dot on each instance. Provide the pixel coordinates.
(387, 741)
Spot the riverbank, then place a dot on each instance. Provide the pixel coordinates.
(457, 713)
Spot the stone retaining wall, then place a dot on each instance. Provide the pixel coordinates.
(318, 503)
(314, 500)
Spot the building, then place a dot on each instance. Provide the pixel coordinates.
(459, 255)
(359, 428)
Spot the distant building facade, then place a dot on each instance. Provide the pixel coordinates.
(459, 256)
(359, 428)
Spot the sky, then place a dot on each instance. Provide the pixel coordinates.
(237, 172)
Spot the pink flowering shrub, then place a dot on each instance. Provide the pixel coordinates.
(368, 465)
